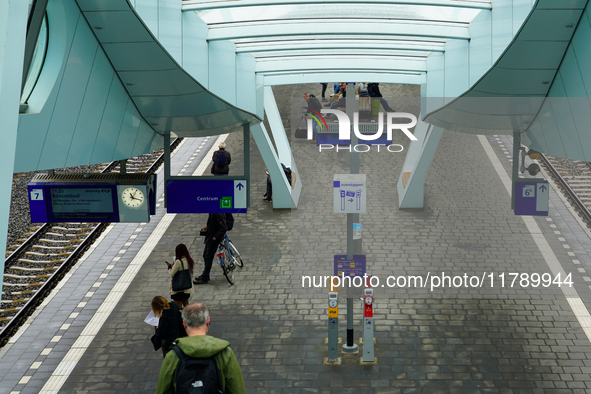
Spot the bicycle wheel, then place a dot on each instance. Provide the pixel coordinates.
(228, 274)
(235, 255)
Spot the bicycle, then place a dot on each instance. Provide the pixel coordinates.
(229, 258)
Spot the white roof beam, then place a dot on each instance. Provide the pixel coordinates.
(324, 27)
(198, 5)
(320, 77)
(341, 45)
(332, 63)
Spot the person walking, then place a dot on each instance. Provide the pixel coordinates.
(221, 161)
(313, 105)
(269, 193)
(182, 261)
(374, 91)
(170, 325)
(324, 86)
(215, 231)
(196, 321)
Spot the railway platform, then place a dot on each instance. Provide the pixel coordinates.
(90, 337)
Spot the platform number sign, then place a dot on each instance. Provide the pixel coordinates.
(531, 198)
(37, 194)
(529, 191)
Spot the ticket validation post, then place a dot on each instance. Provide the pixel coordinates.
(368, 335)
(333, 326)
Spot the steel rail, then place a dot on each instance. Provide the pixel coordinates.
(568, 190)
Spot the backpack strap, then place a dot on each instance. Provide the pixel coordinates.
(179, 353)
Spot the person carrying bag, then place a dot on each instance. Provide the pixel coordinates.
(182, 279)
(181, 273)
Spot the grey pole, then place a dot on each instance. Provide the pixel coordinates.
(123, 166)
(166, 165)
(351, 108)
(515, 167)
(246, 133)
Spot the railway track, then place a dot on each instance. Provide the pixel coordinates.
(35, 266)
(574, 180)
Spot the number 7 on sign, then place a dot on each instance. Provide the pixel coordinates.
(36, 194)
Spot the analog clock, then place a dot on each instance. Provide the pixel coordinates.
(332, 303)
(133, 197)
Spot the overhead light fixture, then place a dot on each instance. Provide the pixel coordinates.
(129, 84)
(545, 82)
(570, 25)
(155, 124)
(534, 155)
(98, 28)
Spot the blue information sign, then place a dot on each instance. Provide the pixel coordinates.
(206, 196)
(345, 267)
(95, 198)
(531, 198)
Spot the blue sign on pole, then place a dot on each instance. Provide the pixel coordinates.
(206, 196)
(531, 198)
(346, 267)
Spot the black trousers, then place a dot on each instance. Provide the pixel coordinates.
(269, 188)
(209, 251)
(324, 85)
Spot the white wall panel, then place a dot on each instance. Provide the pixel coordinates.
(222, 70)
(195, 48)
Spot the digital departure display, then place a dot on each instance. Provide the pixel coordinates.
(83, 204)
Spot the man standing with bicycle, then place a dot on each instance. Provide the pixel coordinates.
(214, 234)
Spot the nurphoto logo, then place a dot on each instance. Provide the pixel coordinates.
(345, 129)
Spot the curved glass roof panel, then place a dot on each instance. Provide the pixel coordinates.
(332, 12)
(210, 4)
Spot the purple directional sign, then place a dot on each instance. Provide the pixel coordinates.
(206, 196)
(531, 198)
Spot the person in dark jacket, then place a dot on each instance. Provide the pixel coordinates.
(224, 170)
(313, 105)
(214, 234)
(374, 91)
(170, 325)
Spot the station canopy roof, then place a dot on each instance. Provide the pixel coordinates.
(301, 35)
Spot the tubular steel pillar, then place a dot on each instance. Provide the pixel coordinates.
(515, 167)
(166, 165)
(353, 247)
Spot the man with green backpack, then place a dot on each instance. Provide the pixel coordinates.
(200, 363)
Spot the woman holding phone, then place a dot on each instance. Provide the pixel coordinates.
(182, 261)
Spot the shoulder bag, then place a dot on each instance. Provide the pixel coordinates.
(182, 279)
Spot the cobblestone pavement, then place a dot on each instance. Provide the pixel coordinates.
(451, 341)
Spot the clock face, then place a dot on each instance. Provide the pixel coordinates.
(133, 197)
(332, 303)
(368, 300)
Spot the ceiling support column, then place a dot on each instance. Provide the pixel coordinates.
(13, 16)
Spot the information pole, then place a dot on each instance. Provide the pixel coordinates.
(353, 246)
